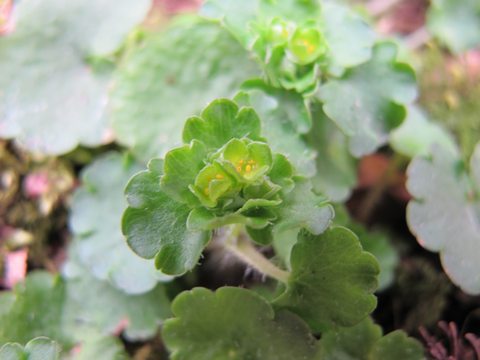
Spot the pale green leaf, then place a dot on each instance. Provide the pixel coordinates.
(170, 76)
(369, 100)
(445, 214)
(51, 98)
(455, 23)
(40, 348)
(100, 245)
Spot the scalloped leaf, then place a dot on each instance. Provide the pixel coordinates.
(350, 39)
(33, 309)
(100, 245)
(155, 224)
(302, 208)
(40, 348)
(336, 167)
(236, 123)
(445, 214)
(417, 134)
(366, 110)
(170, 76)
(332, 280)
(285, 117)
(397, 346)
(455, 23)
(364, 341)
(234, 323)
(81, 311)
(92, 303)
(52, 99)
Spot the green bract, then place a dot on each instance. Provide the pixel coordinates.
(226, 174)
(306, 45)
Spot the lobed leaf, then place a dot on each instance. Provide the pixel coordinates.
(155, 224)
(172, 75)
(234, 323)
(100, 245)
(52, 99)
(444, 215)
(332, 280)
(369, 100)
(364, 341)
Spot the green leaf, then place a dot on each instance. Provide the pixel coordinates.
(182, 166)
(417, 134)
(336, 167)
(221, 121)
(92, 303)
(100, 245)
(234, 323)
(397, 346)
(364, 341)
(374, 241)
(155, 225)
(366, 110)
(353, 343)
(36, 310)
(445, 213)
(40, 348)
(455, 23)
(332, 280)
(350, 39)
(302, 208)
(98, 347)
(52, 99)
(284, 117)
(170, 76)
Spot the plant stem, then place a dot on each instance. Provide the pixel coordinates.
(238, 244)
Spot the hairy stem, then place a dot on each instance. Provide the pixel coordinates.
(237, 242)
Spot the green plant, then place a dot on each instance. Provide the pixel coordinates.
(242, 129)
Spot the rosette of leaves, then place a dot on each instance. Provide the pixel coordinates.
(296, 42)
(40, 348)
(445, 212)
(55, 75)
(225, 174)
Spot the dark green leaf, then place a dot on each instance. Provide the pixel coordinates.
(234, 323)
(397, 346)
(155, 225)
(332, 280)
(221, 121)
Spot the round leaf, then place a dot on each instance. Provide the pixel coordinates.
(100, 245)
(51, 99)
(234, 323)
(170, 76)
(445, 214)
(332, 280)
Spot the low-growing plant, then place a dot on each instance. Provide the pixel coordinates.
(242, 129)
